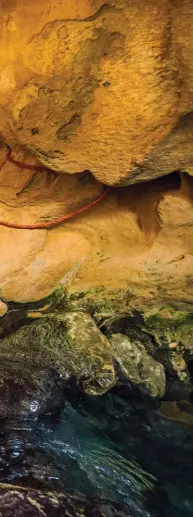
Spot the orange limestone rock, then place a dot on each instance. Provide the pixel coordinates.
(99, 86)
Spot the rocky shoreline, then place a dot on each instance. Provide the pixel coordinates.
(84, 343)
(97, 341)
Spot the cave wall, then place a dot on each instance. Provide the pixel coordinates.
(99, 86)
(105, 88)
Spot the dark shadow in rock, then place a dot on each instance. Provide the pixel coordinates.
(177, 390)
(12, 320)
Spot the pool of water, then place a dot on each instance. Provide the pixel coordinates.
(116, 447)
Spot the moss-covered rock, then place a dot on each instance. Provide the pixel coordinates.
(65, 334)
(137, 366)
(164, 323)
(71, 344)
(172, 332)
(166, 331)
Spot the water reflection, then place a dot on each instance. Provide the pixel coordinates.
(113, 447)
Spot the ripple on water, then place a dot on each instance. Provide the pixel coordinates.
(111, 447)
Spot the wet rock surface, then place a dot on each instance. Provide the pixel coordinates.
(94, 350)
(17, 501)
(71, 344)
(117, 447)
(27, 390)
(138, 367)
(118, 444)
(181, 411)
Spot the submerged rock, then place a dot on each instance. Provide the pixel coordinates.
(27, 391)
(19, 501)
(71, 344)
(178, 412)
(137, 366)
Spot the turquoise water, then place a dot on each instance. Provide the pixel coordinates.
(115, 447)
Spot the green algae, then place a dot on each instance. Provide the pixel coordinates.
(69, 343)
(66, 334)
(137, 366)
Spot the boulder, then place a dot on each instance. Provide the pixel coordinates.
(137, 366)
(27, 390)
(70, 344)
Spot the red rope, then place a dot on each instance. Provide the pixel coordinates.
(23, 165)
(54, 222)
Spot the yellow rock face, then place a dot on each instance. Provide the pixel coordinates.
(138, 240)
(105, 87)
(99, 86)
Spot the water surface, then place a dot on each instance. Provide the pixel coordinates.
(114, 447)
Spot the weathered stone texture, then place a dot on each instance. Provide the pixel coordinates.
(104, 86)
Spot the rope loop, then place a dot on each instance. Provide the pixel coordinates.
(54, 222)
